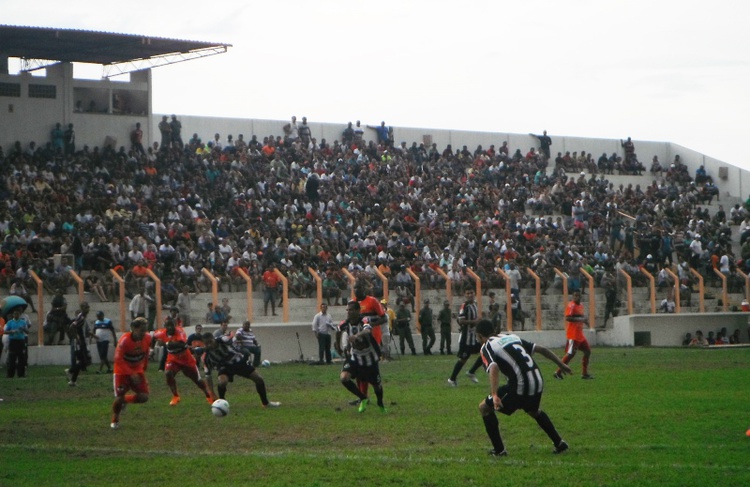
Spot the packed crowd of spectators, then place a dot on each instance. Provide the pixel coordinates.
(292, 201)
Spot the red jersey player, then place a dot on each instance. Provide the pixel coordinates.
(575, 319)
(131, 361)
(179, 358)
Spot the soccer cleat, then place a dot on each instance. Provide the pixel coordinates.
(587, 377)
(363, 405)
(115, 425)
(355, 402)
(383, 409)
(472, 377)
(558, 376)
(175, 401)
(272, 404)
(561, 447)
(210, 399)
(71, 383)
(452, 383)
(496, 453)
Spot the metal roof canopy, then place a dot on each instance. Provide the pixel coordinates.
(118, 53)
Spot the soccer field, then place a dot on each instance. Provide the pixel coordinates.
(651, 417)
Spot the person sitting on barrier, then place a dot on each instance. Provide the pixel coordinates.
(699, 340)
(245, 341)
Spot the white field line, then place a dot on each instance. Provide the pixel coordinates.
(409, 457)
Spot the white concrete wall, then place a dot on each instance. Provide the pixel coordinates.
(668, 330)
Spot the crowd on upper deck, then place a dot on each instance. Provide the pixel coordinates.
(361, 202)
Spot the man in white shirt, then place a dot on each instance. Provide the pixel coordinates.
(322, 325)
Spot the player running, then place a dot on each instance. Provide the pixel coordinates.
(131, 361)
(575, 319)
(468, 344)
(179, 358)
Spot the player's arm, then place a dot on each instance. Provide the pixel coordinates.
(378, 320)
(494, 371)
(546, 352)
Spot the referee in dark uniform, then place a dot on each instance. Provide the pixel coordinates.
(468, 344)
(511, 356)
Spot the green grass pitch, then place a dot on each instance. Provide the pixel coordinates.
(651, 417)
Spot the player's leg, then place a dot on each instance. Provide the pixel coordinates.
(531, 406)
(377, 385)
(570, 352)
(586, 349)
(477, 363)
(121, 387)
(492, 426)
(260, 385)
(346, 380)
(462, 358)
(221, 387)
(193, 374)
(548, 427)
(170, 371)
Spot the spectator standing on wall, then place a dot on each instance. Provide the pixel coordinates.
(305, 133)
(58, 139)
(166, 133)
(69, 138)
(382, 132)
(136, 139)
(175, 127)
(544, 143)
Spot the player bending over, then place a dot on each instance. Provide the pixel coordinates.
(511, 356)
(228, 362)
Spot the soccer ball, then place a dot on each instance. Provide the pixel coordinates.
(265, 363)
(220, 408)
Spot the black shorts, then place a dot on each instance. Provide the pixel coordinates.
(513, 402)
(465, 351)
(365, 373)
(241, 368)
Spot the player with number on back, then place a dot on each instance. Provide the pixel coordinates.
(511, 356)
(131, 361)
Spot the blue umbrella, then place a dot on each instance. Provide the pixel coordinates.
(9, 303)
